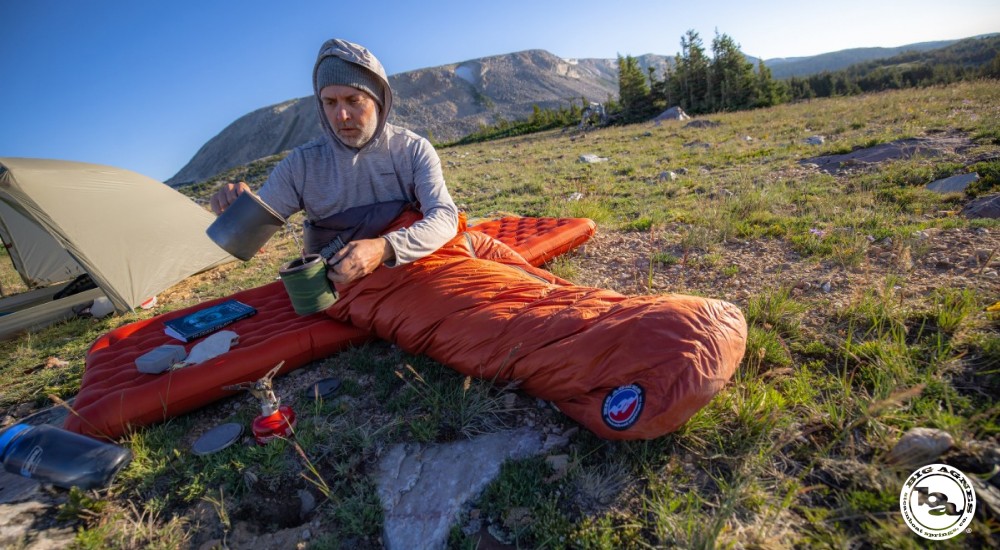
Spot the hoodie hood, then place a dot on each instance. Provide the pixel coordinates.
(358, 55)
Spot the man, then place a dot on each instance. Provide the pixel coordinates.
(360, 175)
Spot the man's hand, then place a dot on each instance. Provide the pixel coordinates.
(226, 195)
(359, 258)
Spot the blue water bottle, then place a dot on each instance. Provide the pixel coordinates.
(63, 458)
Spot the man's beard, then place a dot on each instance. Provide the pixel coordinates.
(358, 139)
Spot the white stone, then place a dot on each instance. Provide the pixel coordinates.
(423, 488)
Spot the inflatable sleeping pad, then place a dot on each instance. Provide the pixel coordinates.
(623, 367)
(114, 396)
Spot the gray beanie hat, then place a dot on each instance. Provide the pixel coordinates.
(335, 71)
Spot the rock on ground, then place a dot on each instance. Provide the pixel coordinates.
(424, 488)
(983, 207)
(953, 184)
(932, 146)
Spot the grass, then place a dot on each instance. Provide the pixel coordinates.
(787, 454)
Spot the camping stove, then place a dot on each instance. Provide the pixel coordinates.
(275, 420)
(280, 423)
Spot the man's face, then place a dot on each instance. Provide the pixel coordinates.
(353, 114)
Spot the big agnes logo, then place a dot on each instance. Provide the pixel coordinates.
(622, 406)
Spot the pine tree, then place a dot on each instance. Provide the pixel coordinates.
(693, 68)
(732, 75)
(633, 92)
(766, 90)
(677, 85)
(992, 69)
(799, 88)
(661, 94)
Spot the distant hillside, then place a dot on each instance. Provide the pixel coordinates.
(785, 67)
(966, 59)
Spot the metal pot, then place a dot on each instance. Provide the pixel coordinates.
(244, 227)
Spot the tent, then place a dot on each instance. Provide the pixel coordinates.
(61, 220)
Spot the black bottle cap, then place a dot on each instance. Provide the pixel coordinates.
(324, 389)
(217, 438)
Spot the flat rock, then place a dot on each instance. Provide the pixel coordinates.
(954, 184)
(919, 446)
(933, 146)
(28, 523)
(423, 488)
(702, 123)
(698, 144)
(984, 207)
(592, 159)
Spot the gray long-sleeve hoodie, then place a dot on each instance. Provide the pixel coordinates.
(325, 177)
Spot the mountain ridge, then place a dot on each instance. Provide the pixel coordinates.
(787, 67)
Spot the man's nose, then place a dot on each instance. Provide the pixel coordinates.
(342, 114)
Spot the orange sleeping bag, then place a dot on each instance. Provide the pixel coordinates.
(114, 397)
(624, 367)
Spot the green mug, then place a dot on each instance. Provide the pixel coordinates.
(306, 284)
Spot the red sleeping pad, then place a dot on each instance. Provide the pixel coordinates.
(624, 367)
(538, 240)
(114, 396)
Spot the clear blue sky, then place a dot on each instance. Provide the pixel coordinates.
(142, 84)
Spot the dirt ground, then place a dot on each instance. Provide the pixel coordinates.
(951, 258)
